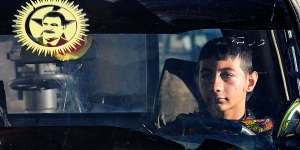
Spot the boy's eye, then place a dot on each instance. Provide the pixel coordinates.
(205, 75)
(226, 75)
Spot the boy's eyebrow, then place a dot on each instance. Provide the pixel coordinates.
(222, 69)
(205, 70)
(226, 69)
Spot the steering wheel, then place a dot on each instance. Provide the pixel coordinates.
(40, 82)
(196, 124)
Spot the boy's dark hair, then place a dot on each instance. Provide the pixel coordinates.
(221, 48)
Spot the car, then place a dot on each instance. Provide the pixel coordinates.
(117, 74)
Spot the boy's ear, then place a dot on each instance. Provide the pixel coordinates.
(252, 80)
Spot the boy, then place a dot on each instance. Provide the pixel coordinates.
(224, 77)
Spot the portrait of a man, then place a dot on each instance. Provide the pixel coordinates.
(53, 27)
(53, 24)
(56, 29)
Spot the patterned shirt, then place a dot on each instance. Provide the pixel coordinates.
(259, 126)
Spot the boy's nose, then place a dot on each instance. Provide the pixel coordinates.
(217, 84)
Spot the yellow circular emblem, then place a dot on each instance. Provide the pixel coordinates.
(52, 27)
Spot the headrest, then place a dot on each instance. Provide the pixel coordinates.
(176, 93)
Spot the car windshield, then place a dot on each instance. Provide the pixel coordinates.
(137, 81)
(112, 77)
(129, 74)
(185, 74)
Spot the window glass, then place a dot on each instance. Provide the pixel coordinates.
(185, 45)
(111, 77)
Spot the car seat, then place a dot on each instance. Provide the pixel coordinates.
(177, 92)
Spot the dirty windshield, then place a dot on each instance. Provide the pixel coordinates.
(154, 82)
(152, 74)
(142, 73)
(111, 77)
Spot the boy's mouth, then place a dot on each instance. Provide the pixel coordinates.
(221, 100)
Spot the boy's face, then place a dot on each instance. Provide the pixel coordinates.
(223, 85)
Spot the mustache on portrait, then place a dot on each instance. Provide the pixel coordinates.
(48, 31)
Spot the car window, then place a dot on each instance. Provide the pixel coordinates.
(142, 81)
(193, 74)
(185, 45)
(110, 78)
(113, 76)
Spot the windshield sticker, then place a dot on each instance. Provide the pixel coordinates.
(53, 27)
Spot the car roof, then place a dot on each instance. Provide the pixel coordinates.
(169, 16)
